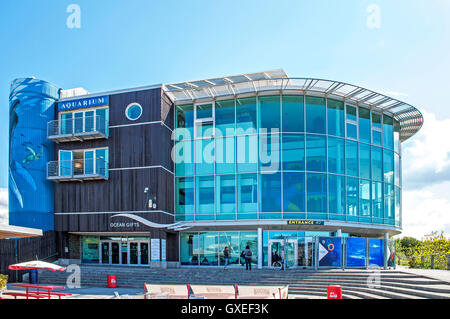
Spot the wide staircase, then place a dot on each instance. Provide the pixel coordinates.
(356, 284)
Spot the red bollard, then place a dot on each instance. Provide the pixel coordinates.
(112, 281)
(334, 292)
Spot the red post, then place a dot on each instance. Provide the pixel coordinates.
(334, 292)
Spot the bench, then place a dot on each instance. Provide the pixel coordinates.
(22, 294)
(263, 292)
(46, 294)
(166, 291)
(214, 291)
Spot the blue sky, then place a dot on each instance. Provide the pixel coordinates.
(133, 43)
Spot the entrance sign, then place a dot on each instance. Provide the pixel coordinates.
(329, 252)
(155, 249)
(304, 222)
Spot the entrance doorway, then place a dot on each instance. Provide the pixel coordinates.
(135, 252)
(281, 250)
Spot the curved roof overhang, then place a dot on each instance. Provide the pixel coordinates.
(409, 117)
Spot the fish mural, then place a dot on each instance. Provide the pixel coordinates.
(30, 194)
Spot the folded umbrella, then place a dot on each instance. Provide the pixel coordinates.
(36, 264)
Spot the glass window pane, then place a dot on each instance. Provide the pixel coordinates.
(377, 202)
(317, 195)
(78, 120)
(184, 157)
(247, 196)
(184, 201)
(89, 121)
(336, 155)
(225, 155)
(270, 199)
(396, 137)
(294, 195)
(189, 249)
(364, 125)
(225, 197)
(376, 120)
(389, 203)
(224, 117)
(250, 239)
(66, 123)
(204, 156)
(388, 165)
(364, 201)
(269, 113)
(397, 206)
(89, 162)
(376, 136)
(352, 131)
(364, 161)
(336, 118)
(397, 169)
(101, 161)
(204, 111)
(293, 113)
(269, 152)
(336, 197)
(246, 115)
(204, 198)
(377, 163)
(388, 132)
(184, 120)
(101, 120)
(315, 114)
(351, 156)
(208, 252)
(352, 198)
(293, 152)
(316, 153)
(247, 153)
(231, 241)
(351, 113)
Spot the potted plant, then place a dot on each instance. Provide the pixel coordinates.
(3, 281)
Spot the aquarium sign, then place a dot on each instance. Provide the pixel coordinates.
(83, 103)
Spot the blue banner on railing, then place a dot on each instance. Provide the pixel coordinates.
(356, 252)
(329, 252)
(83, 103)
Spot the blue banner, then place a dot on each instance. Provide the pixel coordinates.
(376, 252)
(329, 252)
(356, 252)
(83, 103)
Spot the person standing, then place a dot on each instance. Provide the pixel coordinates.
(226, 255)
(248, 257)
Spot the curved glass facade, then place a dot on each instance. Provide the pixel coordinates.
(278, 157)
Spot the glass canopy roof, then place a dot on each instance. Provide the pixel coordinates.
(408, 116)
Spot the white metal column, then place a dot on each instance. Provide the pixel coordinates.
(260, 248)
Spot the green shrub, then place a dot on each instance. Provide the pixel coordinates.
(3, 281)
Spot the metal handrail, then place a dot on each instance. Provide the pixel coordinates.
(78, 126)
(77, 168)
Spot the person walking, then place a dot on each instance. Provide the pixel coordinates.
(226, 255)
(248, 257)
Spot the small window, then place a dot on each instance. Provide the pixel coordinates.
(133, 111)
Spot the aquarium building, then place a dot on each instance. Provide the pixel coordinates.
(168, 175)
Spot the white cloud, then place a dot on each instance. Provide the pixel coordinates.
(426, 179)
(3, 206)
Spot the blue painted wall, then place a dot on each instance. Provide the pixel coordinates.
(31, 104)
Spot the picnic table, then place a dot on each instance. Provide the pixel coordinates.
(39, 293)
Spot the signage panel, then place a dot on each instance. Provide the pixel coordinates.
(329, 252)
(356, 252)
(304, 222)
(83, 103)
(155, 249)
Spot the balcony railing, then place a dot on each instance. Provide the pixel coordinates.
(78, 129)
(89, 169)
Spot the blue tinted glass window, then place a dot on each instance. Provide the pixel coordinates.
(389, 204)
(377, 163)
(364, 125)
(364, 201)
(376, 135)
(204, 156)
(336, 155)
(397, 206)
(246, 115)
(184, 157)
(351, 113)
(224, 117)
(377, 202)
(397, 169)
(351, 157)
(388, 132)
(352, 131)
(396, 137)
(293, 113)
(247, 153)
(270, 200)
(364, 160)
(269, 113)
(225, 155)
(388, 165)
(225, 197)
(204, 111)
(315, 114)
(352, 198)
(316, 153)
(247, 196)
(316, 193)
(204, 198)
(336, 117)
(269, 152)
(336, 197)
(293, 152)
(294, 195)
(184, 208)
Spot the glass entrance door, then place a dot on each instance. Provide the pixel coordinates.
(134, 253)
(143, 250)
(115, 258)
(281, 249)
(105, 252)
